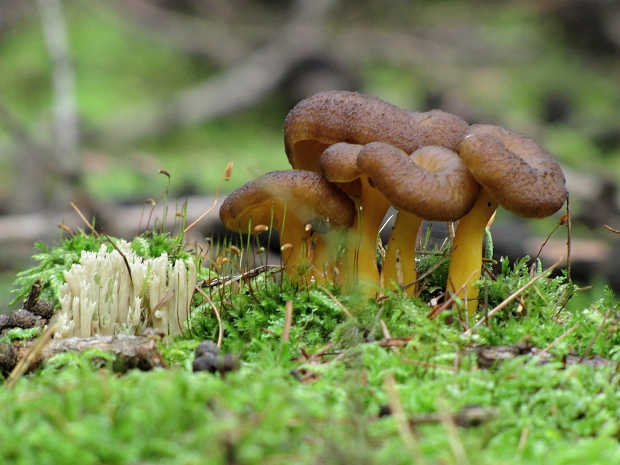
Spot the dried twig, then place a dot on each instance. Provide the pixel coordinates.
(436, 311)
(557, 340)
(86, 222)
(240, 277)
(525, 433)
(609, 228)
(225, 177)
(288, 320)
(468, 416)
(512, 297)
(562, 222)
(29, 358)
(331, 296)
(458, 450)
(598, 331)
(220, 335)
(429, 365)
(404, 428)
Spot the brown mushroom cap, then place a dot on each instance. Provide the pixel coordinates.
(307, 194)
(433, 183)
(337, 116)
(517, 172)
(338, 162)
(338, 165)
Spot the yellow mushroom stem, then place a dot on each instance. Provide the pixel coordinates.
(297, 258)
(466, 254)
(325, 254)
(360, 261)
(399, 267)
(309, 254)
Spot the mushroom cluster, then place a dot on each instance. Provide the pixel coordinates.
(354, 156)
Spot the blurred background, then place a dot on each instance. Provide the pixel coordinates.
(96, 97)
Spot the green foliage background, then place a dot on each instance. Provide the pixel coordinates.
(498, 62)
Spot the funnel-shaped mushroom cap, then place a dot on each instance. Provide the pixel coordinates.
(432, 183)
(338, 162)
(515, 170)
(338, 165)
(337, 116)
(307, 195)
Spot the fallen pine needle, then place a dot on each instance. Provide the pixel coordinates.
(288, 320)
(512, 297)
(220, 335)
(458, 450)
(404, 428)
(598, 331)
(331, 296)
(558, 339)
(429, 365)
(225, 177)
(26, 362)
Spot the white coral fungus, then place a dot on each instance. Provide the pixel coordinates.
(101, 297)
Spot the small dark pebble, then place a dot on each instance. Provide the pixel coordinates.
(5, 321)
(229, 362)
(8, 357)
(44, 308)
(207, 362)
(384, 411)
(207, 347)
(23, 319)
(216, 363)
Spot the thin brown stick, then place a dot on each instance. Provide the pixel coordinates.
(562, 221)
(404, 428)
(525, 433)
(432, 366)
(609, 228)
(331, 296)
(512, 297)
(557, 340)
(151, 202)
(565, 301)
(122, 255)
(384, 329)
(157, 306)
(220, 335)
(81, 215)
(598, 331)
(225, 177)
(447, 420)
(24, 364)
(288, 320)
(437, 310)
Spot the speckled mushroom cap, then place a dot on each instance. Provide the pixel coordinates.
(516, 171)
(308, 195)
(338, 164)
(337, 116)
(433, 183)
